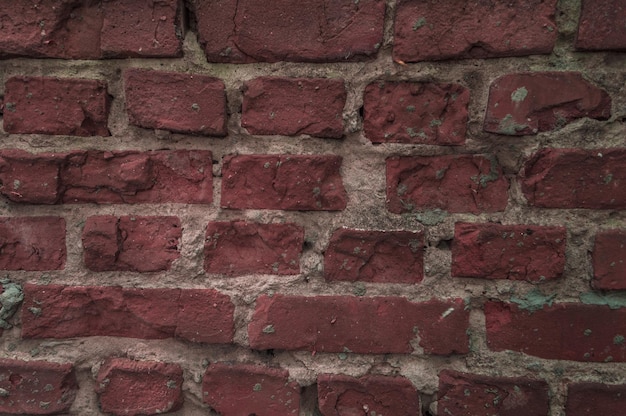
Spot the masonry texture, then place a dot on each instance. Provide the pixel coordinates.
(335, 208)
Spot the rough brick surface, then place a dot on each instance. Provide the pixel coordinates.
(137, 244)
(370, 395)
(375, 256)
(475, 395)
(115, 177)
(242, 389)
(450, 183)
(435, 29)
(575, 178)
(533, 102)
(601, 25)
(249, 30)
(409, 112)
(238, 248)
(127, 387)
(586, 399)
(36, 387)
(563, 331)
(32, 243)
(288, 182)
(55, 311)
(609, 260)
(183, 103)
(516, 252)
(294, 106)
(360, 325)
(76, 107)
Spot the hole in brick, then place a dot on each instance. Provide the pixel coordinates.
(15, 379)
(362, 112)
(308, 399)
(190, 19)
(444, 244)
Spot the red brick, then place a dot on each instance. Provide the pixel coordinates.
(36, 387)
(529, 103)
(515, 252)
(575, 178)
(377, 325)
(137, 244)
(288, 182)
(55, 311)
(183, 103)
(565, 331)
(609, 260)
(465, 183)
(294, 106)
(375, 256)
(237, 248)
(587, 399)
(451, 29)
(369, 395)
(32, 243)
(601, 25)
(242, 389)
(251, 31)
(476, 395)
(116, 177)
(68, 106)
(128, 387)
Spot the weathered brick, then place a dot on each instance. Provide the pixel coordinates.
(32, 243)
(183, 103)
(575, 178)
(137, 244)
(529, 103)
(288, 182)
(452, 29)
(250, 31)
(127, 387)
(341, 324)
(36, 387)
(45, 105)
(56, 311)
(375, 256)
(410, 112)
(516, 252)
(242, 389)
(294, 106)
(477, 395)
(565, 331)
(238, 247)
(585, 399)
(369, 395)
(601, 25)
(465, 183)
(609, 260)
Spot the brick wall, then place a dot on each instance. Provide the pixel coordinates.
(350, 207)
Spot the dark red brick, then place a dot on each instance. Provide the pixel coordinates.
(288, 182)
(294, 106)
(575, 178)
(237, 248)
(55, 311)
(375, 256)
(452, 29)
(183, 103)
(341, 324)
(588, 399)
(609, 260)
(137, 244)
(565, 331)
(477, 395)
(465, 183)
(32, 243)
(68, 106)
(515, 252)
(127, 387)
(529, 103)
(601, 25)
(250, 31)
(36, 387)
(242, 389)
(368, 395)
(409, 112)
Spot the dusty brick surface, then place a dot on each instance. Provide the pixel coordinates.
(32, 243)
(609, 260)
(601, 25)
(595, 399)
